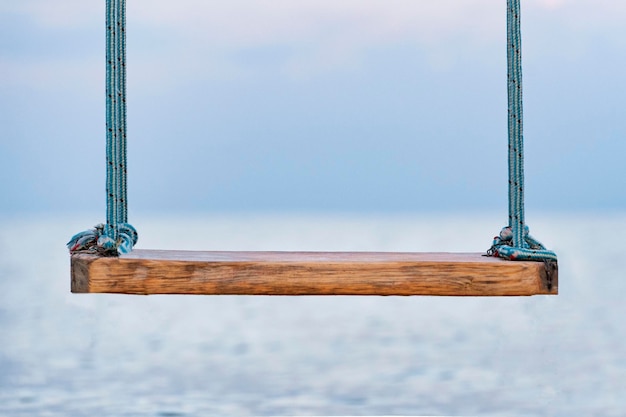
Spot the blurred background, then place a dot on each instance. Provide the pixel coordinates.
(313, 125)
(396, 106)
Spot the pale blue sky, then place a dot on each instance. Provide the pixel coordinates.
(314, 105)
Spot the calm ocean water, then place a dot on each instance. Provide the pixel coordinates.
(167, 356)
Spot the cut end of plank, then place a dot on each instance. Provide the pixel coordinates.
(310, 273)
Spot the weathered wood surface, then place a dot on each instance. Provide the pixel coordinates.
(309, 273)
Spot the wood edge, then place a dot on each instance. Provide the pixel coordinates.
(80, 268)
(550, 278)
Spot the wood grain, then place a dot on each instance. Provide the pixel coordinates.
(309, 273)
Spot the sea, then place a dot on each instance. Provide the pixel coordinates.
(98, 355)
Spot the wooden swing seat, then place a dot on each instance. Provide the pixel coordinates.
(310, 273)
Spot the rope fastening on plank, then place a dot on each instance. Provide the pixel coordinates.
(514, 242)
(117, 236)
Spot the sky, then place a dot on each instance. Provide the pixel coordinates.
(325, 105)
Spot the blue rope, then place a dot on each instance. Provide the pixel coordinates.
(117, 236)
(514, 241)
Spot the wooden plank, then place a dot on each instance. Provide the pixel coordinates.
(309, 273)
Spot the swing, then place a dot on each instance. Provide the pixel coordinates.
(103, 259)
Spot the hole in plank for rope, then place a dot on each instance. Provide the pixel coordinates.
(310, 273)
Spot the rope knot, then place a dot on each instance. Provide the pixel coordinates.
(98, 242)
(531, 250)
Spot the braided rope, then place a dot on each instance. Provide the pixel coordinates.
(117, 236)
(514, 241)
